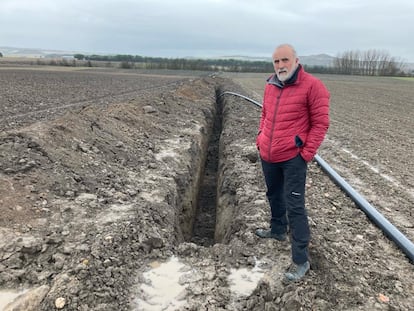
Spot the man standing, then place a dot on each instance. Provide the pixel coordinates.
(293, 124)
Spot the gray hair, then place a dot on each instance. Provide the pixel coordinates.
(289, 46)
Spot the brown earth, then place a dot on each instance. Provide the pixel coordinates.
(101, 172)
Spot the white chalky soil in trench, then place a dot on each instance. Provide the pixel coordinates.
(7, 297)
(164, 290)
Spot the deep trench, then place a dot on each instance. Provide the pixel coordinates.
(205, 215)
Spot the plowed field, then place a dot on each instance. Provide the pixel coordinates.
(125, 190)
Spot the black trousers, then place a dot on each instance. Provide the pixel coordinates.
(285, 183)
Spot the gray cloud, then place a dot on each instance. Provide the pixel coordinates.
(209, 27)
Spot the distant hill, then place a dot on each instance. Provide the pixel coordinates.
(317, 60)
(310, 60)
(30, 52)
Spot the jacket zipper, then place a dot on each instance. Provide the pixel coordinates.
(274, 121)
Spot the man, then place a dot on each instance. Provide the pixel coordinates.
(293, 124)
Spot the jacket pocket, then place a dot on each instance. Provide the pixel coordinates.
(298, 141)
(257, 140)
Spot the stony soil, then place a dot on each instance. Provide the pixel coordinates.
(100, 173)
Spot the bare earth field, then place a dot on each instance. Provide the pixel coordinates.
(127, 190)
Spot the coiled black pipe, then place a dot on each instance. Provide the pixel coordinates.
(389, 229)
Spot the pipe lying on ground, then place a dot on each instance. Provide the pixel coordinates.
(376, 217)
(242, 96)
(389, 229)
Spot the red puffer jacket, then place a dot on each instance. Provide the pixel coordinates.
(295, 118)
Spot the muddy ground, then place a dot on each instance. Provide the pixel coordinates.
(99, 197)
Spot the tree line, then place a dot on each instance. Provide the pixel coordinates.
(142, 62)
(368, 63)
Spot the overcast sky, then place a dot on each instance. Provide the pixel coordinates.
(209, 28)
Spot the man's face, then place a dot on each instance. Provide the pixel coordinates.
(284, 62)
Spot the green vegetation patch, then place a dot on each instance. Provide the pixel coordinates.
(405, 78)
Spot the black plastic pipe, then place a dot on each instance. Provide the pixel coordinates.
(389, 229)
(376, 217)
(242, 96)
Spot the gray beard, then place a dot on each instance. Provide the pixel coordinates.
(288, 76)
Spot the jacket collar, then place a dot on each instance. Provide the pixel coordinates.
(274, 79)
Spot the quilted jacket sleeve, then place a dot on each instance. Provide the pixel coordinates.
(318, 104)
